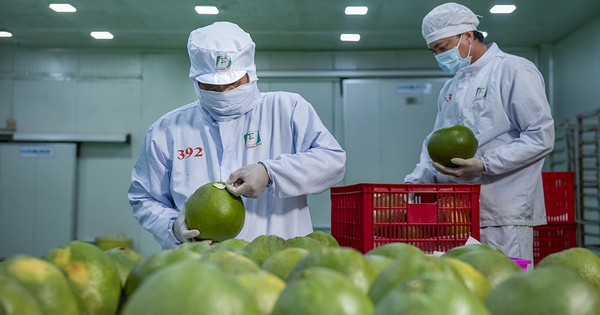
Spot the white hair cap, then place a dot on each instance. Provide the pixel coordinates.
(221, 53)
(447, 20)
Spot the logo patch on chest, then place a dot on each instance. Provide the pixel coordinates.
(252, 139)
(481, 93)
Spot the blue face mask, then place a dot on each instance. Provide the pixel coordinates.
(450, 61)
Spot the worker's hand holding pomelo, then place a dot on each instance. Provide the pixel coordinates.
(180, 227)
(248, 181)
(464, 167)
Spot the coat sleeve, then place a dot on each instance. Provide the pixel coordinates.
(523, 96)
(424, 171)
(318, 162)
(149, 193)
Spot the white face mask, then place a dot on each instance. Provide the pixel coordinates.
(230, 104)
(450, 61)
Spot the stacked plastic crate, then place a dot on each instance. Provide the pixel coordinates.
(432, 217)
(560, 232)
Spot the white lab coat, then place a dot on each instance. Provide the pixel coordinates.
(501, 97)
(187, 148)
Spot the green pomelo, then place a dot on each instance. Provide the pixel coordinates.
(264, 286)
(395, 250)
(325, 238)
(124, 258)
(198, 247)
(345, 260)
(378, 262)
(548, 290)
(44, 281)
(450, 142)
(472, 279)
(320, 290)
(305, 242)
(399, 270)
(241, 252)
(215, 212)
(92, 274)
(190, 287)
(282, 262)
(581, 260)
(459, 250)
(232, 262)
(232, 243)
(154, 262)
(496, 267)
(430, 294)
(263, 246)
(15, 299)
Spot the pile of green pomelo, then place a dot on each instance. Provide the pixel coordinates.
(304, 275)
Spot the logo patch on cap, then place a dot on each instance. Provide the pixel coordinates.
(223, 63)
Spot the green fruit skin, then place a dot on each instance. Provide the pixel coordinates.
(47, 284)
(124, 259)
(325, 238)
(282, 262)
(190, 287)
(581, 260)
(99, 288)
(320, 290)
(450, 142)
(345, 260)
(215, 213)
(547, 290)
(430, 294)
(16, 299)
(263, 246)
(304, 242)
(154, 262)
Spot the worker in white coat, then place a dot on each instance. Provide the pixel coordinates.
(501, 98)
(270, 148)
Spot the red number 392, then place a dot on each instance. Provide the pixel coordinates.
(189, 152)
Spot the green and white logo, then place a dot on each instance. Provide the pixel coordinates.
(223, 63)
(252, 139)
(481, 93)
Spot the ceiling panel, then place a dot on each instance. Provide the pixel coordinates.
(279, 25)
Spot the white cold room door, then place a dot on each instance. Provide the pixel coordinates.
(385, 122)
(37, 197)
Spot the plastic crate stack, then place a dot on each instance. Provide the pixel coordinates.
(432, 217)
(560, 232)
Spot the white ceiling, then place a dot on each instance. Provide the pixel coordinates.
(279, 25)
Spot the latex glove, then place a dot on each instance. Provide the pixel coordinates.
(181, 229)
(465, 167)
(248, 181)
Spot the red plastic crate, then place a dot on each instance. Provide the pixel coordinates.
(553, 238)
(559, 196)
(368, 215)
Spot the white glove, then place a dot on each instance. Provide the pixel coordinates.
(465, 167)
(248, 181)
(181, 229)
